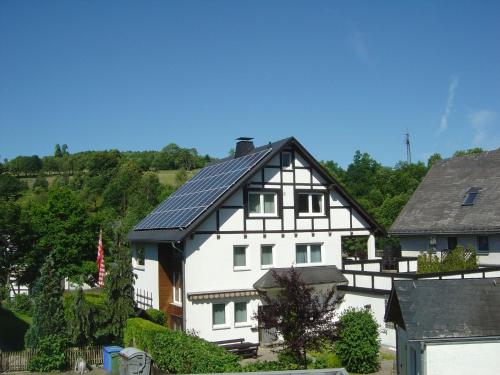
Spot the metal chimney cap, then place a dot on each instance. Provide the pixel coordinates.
(245, 139)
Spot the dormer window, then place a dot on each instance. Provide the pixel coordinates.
(262, 204)
(470, 197)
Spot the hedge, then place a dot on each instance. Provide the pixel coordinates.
(156, 316)
(177, 352)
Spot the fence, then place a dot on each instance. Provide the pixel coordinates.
(18, 361)
(144, 299)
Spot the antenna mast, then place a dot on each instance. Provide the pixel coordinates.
(408, 149)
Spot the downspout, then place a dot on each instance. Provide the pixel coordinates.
(423, 355)
(183, 285)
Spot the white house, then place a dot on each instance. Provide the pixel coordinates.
(457, 203)
(198, 255)
(446, 326)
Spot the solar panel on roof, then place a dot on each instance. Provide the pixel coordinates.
(189, 201)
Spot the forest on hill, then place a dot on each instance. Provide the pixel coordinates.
(113, 190)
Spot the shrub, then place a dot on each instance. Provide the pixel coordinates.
(459, 259)
(358, 345)
(326, 359)
(50, 355)
(178, 353)
(428, 263)
(156, 316)
(140, 333)
(21, 303)
(266, 366)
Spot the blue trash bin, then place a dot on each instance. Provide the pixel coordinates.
(106, 356)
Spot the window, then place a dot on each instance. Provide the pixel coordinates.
(177, 287)
(239, 257)
(286, 159)
(305, 254)
(262, 204)
(310, 203)
(240, 312)
(470, 197)
(452, 243)
(218, 314)
(139, 256)
(483, 244)
(266, 255)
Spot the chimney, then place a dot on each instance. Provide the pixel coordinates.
(244, 146)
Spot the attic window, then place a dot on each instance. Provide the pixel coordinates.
(470, 197)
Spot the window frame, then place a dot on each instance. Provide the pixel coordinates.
(246, 267)
(176, 274)
(325, 203)
(277, 203)
(219, 325)
(246, 323)
(308, 263)
(283, 166)
(137, 262)
(267, 266)
(478, 241)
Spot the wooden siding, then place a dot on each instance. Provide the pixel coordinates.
(169, 261)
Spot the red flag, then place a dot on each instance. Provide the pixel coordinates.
(100, 261)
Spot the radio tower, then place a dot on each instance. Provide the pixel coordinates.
(408, 149)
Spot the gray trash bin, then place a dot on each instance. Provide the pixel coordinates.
(134, 362)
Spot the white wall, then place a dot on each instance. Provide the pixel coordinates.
(377, 306)
(463, 358)
(147, 275)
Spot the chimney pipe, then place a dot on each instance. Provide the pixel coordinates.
(244, 146)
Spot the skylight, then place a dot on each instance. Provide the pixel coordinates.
(470, 197)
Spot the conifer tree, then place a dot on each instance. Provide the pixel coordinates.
(81, 320)
(48, 315)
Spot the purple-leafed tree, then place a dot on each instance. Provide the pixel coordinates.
(301, 315)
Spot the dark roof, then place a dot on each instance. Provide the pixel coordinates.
(158, 234)
(436, 206)
(310, 275)
(438, 309)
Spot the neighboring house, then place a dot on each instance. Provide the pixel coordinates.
(446, 326)
(457, 203)
(201, 255)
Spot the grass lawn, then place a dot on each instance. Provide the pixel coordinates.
(13, 326)
(168, 177)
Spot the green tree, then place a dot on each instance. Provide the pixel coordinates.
(181, 177)
(11, 187)
(57, 151)
(470, 151)
(433, 158)
(48, 315)
(80, 318)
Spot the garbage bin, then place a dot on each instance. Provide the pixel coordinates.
(134, 362)
(108, 352)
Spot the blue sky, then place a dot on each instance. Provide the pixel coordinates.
(339, 76)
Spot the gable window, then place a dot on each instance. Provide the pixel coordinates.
(177, 288)
(306, 254)
(470, 197)
(286, 159)
(452, 243)
(240, 312)
(311, 204)
(240, 257)
(266, 256)
(262, 204)
(219, 314)
(483, 244)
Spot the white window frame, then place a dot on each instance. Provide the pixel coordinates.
(224, 325)
(267, 266)
(261, 198)
(309, 202)
(291, 160)
(246, 323)
(246, 267)
(176, 274)
(308, 246)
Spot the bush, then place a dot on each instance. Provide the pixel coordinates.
(156, 316)
(266, 366)
(459, 259)
(140, 333)
(50, 355)
(428, 263)
(326, 359)
(358, 345)
(21, 303)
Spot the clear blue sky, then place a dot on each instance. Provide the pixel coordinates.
(339, 76)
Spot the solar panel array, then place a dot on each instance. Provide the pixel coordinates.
(187, 203)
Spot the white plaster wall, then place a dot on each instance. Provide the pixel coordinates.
(377, 303)
(147, 275)
(463, 358)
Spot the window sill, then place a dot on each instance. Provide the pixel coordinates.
(479, 253)
(140, 268)
(262, 216)
(311, 215)
(176, 304)
(267, 267)
(242, 325)
(238, 269)
(309, 264)
(220, 326)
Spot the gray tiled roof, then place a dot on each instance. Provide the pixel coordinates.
(314, 275)
(437, 309)
(436, 206)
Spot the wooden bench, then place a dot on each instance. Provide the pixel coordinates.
(239, 347)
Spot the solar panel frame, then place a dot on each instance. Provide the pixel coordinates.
(188, 202)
